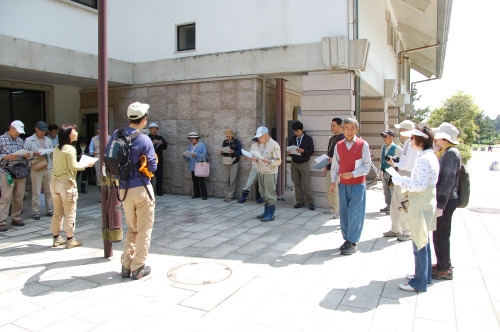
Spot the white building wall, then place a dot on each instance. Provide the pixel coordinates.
(228, 25)
(66, 104)
(58, 24)
(373, 26)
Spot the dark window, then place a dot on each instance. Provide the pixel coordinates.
(89, 3)
(27, 106)
(186, 37)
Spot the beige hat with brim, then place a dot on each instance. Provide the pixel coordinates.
(406, 124)
(414, 132)
(447, 131)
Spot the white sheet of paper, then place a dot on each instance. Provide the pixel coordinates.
(189, 154)
(358, 163)
(246, 153)
(225, 149)
(321, 158)
(256, 154)
(21, 152)
(44, 151)
(85, 160)
(293, 149)
(392, 172)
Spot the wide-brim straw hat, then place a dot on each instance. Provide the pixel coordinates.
(414, 132)
(193, 134)
(447, 131)
(229, 132)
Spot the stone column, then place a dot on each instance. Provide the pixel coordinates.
(326, 96)
(374, 120)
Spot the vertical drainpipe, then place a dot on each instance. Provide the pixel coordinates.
(263, 120)
(280, 133)
(357, 79)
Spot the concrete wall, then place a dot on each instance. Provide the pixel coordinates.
(66, 104)
(206, 107)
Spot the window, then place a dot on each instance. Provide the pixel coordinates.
(27, 106)
(89, 3)
(186, 37)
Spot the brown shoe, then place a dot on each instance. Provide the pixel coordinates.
(447, 275)
(73, 243)
(3, 227)
(58, 241)
(17, 223)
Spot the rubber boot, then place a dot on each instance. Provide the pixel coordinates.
(243, 197)
(82, 189)
(270, 213)
(266, 210)
(260, 200)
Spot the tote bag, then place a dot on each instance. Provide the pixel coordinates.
(202, 169)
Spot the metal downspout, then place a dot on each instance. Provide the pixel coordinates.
(263, 119)
(422, 81)
(357, 79)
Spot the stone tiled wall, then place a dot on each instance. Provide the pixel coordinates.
(206, 107)
(374, 120)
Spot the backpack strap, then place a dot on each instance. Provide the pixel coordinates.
(141, 176)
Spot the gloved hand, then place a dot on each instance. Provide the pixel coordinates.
(439, 213)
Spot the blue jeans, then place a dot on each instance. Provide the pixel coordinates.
(423, 268)
(352, 203)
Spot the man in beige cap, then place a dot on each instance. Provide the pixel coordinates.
(405, 165)
(12, 189)
(230, 162)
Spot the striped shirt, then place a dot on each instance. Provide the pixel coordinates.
(9, 145)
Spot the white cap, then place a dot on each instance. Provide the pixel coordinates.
(406, 124)
(447, 131)
(137, 110)
(414, 132)
(153, 125)
(261, 131)
(18, 125)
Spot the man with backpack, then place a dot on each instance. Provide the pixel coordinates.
(136, 191)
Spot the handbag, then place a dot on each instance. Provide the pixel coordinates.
(228, 160)
(17, 171)
(39, 164)
(202, 169)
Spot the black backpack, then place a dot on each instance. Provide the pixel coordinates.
(463, 189)
(117, 158)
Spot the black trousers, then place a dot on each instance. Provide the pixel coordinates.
(441, 236)
(159, 178)
(199, 186)
(85, 175)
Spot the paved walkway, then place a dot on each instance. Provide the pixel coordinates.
(285, 275)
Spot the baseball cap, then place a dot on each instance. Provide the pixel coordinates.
(40, 125)
(406, 124)
(137, 110)
(388, 132)
(153, 125)
(18, 125)
(261, 131)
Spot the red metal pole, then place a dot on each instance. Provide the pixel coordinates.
(102, 8)
(280, 133)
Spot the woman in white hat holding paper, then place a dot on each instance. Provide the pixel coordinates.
(450, 162)
(421, 188)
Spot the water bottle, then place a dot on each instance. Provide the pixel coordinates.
(10, 181)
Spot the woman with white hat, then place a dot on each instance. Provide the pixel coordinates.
(450, 162)
(199, 185)
(421, 188)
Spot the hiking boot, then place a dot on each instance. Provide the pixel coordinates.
(392, 234)
(298, 205)
(446, 275)
(58, 241)
(243, 197)
(404, 238)
(141, 272)
(3, 227)
(125, 272)
(343, 245)
(73, 243)
(36, 215)
(259, 201)
(386, 209)
(311, 207)
(349, 249)
(17, 223)
(50, 214)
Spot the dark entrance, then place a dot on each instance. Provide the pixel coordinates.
(27, 106)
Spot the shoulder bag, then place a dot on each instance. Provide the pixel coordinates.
(202, 169)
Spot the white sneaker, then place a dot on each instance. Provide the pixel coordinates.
(410, 276)
(407, 288)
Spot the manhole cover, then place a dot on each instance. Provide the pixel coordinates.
(199, 273)
(485, 210)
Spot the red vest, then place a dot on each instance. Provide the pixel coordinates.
(348, 160)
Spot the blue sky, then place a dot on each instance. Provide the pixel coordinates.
(472, 58)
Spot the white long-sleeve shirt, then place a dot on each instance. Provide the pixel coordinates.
(407, 158)
(360, 171)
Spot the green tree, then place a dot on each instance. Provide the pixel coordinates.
(497, 123)
(421, 114)
(486, 128)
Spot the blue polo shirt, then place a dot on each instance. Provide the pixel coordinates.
(141, 145)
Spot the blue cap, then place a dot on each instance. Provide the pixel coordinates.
(261, 131)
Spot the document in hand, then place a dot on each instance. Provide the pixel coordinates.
(189, 154)
(44, 151)
(293, 149)
(21, 152)
(246, 153)
(85, 160)
(225, 149)
(322, 162)
(256, 154)
(392, 172)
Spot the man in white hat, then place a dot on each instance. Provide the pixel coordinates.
(267, 167)
(160, 145)
(405, 165)
(138, 203)
(12, 189)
